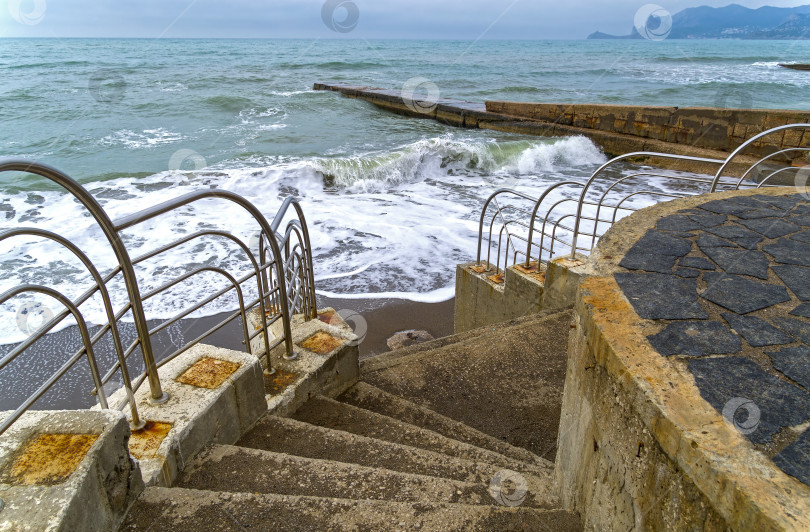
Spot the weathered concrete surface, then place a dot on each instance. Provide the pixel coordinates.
(199, 416)
(290, 436)
(483, 299)
(364, 395)
(99, 487)
(171, 510)
(702, 127)
(616, 138)
(639, 447)
(327, 373)
(333, 414)
(465, 380)
(236, 469)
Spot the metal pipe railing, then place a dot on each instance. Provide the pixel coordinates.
(111, 234)
(602, 192)
(283, 275)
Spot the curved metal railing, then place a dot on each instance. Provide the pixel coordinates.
(569, 217)
(280, 272)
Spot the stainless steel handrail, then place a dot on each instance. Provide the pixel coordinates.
(747, 144)
(124, 263)
(610, 197)
(285, 257)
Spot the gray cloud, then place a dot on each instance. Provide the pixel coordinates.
(453, 19)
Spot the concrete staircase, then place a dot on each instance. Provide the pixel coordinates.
(437, 436)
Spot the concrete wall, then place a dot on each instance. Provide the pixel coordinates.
(702, 127)
(480, 301)
(638, 446)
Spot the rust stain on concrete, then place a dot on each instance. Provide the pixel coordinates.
(208, 373)
(144, 443)
(480, 269)
(278, 381)
(331, 317)
(497, 279)
(322, 343)
(47, 459)
(533, 271)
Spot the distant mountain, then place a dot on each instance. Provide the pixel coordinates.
(733, 22)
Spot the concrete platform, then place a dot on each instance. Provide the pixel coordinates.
(66, 471)
(686, 403)
(505, 381)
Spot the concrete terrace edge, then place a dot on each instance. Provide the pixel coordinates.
(495, 115)
(107, 480)
(199, 416)
(637, 441)
(328, 375)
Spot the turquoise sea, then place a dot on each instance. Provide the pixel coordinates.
(393, 203)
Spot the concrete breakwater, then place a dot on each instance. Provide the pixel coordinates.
(618, 129)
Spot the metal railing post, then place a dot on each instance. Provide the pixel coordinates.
(128, 272)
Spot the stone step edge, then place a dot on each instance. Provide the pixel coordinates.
(472, 467)
(493, 458)
(360, 480)
(383, 400)
(183, 502)
(394, 358)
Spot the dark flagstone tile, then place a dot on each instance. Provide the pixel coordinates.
(761, 213)
(780, 404)
(798, 329)
(743, 262)
(756, 331)
(795, 458)
(725, 207)
(797, 278)
(802, 310)
(737, 234)
(656, 296)
(677, 223)
(794, 362)
(637, 260)
(751, 202)
(789, 251)
(771, 228)
(709, 220)
(741, 295)
(706, 240)
(784, 203)
(656, 252)
(696, 262)
(696, 338)
(801, 208)
(687, 273)
(804, 236)
(801, 219)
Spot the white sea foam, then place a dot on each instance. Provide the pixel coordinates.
(145, 139)
(383, 224)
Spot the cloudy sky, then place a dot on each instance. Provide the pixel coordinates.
(456, 19)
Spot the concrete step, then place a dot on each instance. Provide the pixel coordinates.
(283, 435)
(177, 510)
(506, 382)
(391, 358)
(236, 469)
(364, 395)
(332, 414)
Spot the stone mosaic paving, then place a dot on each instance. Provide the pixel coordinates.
(729, 285)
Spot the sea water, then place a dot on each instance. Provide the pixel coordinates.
(392, 203)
